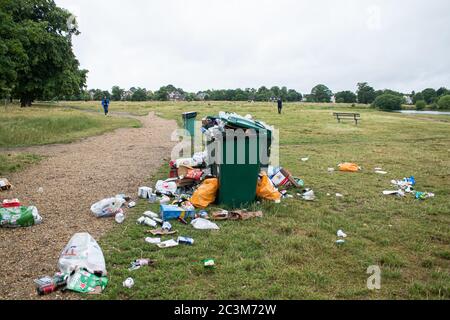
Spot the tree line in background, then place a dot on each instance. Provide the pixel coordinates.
(37, 63)
(365, 94)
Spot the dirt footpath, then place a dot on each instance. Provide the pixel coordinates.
(73, 177)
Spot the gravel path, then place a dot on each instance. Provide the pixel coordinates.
(73, 176)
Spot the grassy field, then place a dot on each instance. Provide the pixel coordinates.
(43, 124)
(291, 252)
(10, 163)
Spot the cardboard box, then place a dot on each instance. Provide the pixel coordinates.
(171, 212)
(281, 178)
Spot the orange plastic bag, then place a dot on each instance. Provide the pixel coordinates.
(206, 193)
(265, 189)
(349, 167)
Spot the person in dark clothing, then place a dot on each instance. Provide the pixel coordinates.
(105, 104)
(280, 105)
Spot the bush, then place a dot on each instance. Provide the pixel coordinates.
(420, 105)
(444, 102)
(388, 102)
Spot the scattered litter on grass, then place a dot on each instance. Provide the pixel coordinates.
(162, 232)
(132, 204)
(120, 217)
(309, 195)
(5, 184)
(340, 242)
(150, 214)
(203, 224)
(339, 195)
(137, 264)
(266, 190)
(236, 215)
(147, 222)
(167, 244)
(128, 283)
(144, 192)
(153, 240)
(82, 252)
(173, 212)
(341, 234)
(424, 195)
(19, 216)
(349, 167)
(47, 285)
(82, 281)
(380, 172)
(399, 193)
(206, 193)
(209, 263)
(185, 240)
(331, 170)
(107, 207)
(305, 159)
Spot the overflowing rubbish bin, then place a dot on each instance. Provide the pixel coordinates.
(238, 148)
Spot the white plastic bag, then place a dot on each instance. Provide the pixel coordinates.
(82, 252)
(203, 224)
(166, 187)
(107, 207)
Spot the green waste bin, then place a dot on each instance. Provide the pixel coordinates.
(238, 171)
(189, 125)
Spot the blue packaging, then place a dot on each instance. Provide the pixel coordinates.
(171, 212)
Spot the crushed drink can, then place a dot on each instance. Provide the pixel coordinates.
(203, 214)
(186, 240)
(167, 226)
(209, 263)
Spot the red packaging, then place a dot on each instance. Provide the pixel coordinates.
(11, 203)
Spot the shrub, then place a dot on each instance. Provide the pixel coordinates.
(444, 102)
(420, 105)
(388, 102)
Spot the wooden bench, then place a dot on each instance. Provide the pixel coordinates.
(354, 116)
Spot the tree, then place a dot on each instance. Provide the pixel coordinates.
(117, 93)
(388, 102)
(429, 95)
(366, 94)
(45, 65)
(444, 102)
(139, 94)
(442, 92)
(321, 93)
(418, 97)
(293, 95)
(420, 105)
(345, 97)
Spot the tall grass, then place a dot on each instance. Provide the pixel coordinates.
(38, 126)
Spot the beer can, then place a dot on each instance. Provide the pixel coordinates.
(167, 226)
(186, 240)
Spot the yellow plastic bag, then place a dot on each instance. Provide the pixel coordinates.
(349, 167)
(206, 193)
(265, 190)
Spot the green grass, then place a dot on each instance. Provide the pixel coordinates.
(10, 163)
(291, 252)
(42, 125)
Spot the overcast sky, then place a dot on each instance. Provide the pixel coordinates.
(203, 44)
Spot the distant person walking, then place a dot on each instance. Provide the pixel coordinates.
(105, 104)
(280, 105)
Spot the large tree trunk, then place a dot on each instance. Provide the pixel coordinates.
(25, 102)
